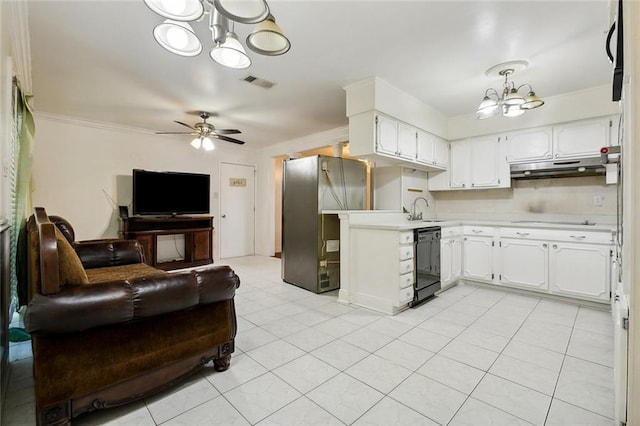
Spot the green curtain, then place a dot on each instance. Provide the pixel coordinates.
(25, 130)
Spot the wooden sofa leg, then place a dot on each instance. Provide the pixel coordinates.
(57, 415)
(222, 364)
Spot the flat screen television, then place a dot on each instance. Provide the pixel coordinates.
(170, 193)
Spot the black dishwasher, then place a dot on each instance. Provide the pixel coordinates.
(427, 264)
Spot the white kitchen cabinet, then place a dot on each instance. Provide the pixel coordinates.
(432, 150)
(581, 138)
(580, 270)
(386, 135)
(441, 152)
(477, 253)
(407, 141)
(450, 258)
(524, 263)
(396, 187)
(474, 163)
(529, 145)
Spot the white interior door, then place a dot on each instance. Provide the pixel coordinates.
(237, 210)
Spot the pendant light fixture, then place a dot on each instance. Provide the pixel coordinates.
(268, 39)
(178, 37)
(509, 102)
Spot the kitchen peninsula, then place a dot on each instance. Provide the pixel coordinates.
(556, 255)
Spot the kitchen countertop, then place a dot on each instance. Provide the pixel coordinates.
(374, 219)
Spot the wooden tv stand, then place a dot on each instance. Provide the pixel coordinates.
(197, 231)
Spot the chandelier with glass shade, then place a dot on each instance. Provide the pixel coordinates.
(177, 36)
(509, 102)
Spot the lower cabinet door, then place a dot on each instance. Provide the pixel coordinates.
(580, 270)
(478, 258)
(524, 263)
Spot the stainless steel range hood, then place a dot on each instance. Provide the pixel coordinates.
(561, 168)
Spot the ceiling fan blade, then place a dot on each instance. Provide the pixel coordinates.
(227, 131)
(177, 133)
(224, 138)
(185, 125)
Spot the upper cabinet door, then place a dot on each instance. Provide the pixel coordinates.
(386, 135)
(484, 154)
(426, 147)
(581, 138)
(441, 152)
(459, 164)
(530, 144)
(407, 141)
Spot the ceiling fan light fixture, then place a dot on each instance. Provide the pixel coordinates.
(532, 101)
(178, 38)
(207, 144)
(177, 10)
(196, 142)
(487, 105)
(512, 111)
(243, 11)
(267, 38)
(513, 98)
(230, 54)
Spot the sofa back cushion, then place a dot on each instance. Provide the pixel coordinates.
(69, 266)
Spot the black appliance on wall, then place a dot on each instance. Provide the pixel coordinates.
(427, 264)
(618, 60)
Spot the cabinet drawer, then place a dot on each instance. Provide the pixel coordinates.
(453, 231)
(406, 295)
(478, 230)
(406, 252)
(527, 233)
(406, 266)
(406, 237)
(406, 280)
(574, 236)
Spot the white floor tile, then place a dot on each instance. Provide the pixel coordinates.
(587, 385)
(389, 412)
(475, 413)
(563, 414)
(378, 373)
(529, 375)
(261, 397)
(263, 317)
(454, 374)
(340, 354)
(367, 339)
(361, 317)
(275, 354)
(301, 412)
(515, 399)
(590, 346)
(284, 327)
(389, 326)
(594, 320)
(469, 354)
(337, 327)
(404, 354)
(345, 397)
(289, 309)
(309, 339)
(439, 326)
(430, 398)
(311, 317)
(135, 414)
(215, 412)
(425, 339)
(536, 355)
(335, 309)
(253, 338)
(484, 339)
(175, 401)
(306, 373)
(546, 335)
(455, 317)
(243, 368)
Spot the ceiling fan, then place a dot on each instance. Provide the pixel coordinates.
(205, 132)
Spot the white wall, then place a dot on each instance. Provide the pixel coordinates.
(82, 170)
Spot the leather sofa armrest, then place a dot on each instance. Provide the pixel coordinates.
(216, 283)
(103, 253)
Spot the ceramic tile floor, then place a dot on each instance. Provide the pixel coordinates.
(472, 356)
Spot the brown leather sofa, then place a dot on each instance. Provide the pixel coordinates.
(116, 330)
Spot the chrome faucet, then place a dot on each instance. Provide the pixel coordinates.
(414, 215)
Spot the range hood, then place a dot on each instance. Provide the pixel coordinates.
(561, 168)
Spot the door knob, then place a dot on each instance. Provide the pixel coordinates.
(224, 215)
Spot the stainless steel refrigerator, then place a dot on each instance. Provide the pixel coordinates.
(311, 239)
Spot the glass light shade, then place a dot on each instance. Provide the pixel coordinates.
(177, 37)
(207, 144)
(230, 53)
(178, 10)
(196, 143)
(532, 101)
(513, 98)
(487, 113)
(487, 105)
(268, 39)
(243, 11)
(511, 111)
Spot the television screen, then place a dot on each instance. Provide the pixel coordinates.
(170, 193)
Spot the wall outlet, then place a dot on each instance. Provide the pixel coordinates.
(598, 200)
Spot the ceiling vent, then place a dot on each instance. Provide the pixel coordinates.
(259, 81)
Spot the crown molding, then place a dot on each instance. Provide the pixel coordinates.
(101, 125)
(20, 42)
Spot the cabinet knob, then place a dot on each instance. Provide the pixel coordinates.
(544, 245)
(555, 246)
(224, 215)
